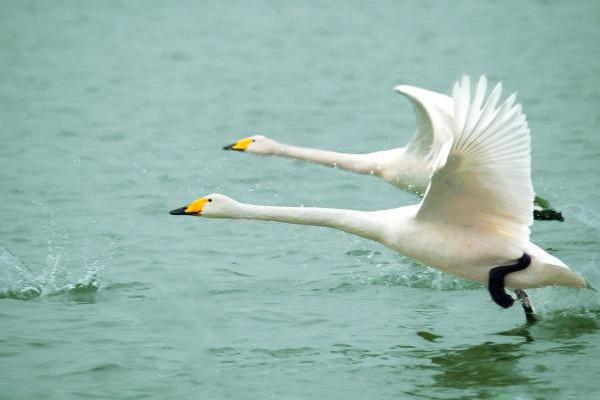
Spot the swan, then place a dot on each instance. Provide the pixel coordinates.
(408, 168)
(473, 220)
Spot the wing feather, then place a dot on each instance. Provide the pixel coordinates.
(434, 111)
(485, 181)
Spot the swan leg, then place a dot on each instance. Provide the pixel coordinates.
(496, 280)
(524, 299)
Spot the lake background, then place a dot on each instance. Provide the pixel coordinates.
(112, 113)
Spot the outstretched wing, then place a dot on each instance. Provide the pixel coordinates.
(485, 180)
(434, 114)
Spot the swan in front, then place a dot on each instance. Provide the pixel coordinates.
(408, 168)
(473, 220)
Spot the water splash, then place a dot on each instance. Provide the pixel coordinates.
(18, 282)
(401, 271)
(418, 276)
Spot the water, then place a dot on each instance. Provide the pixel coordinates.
(115, 112)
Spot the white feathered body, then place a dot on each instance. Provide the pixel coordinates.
(468, 252)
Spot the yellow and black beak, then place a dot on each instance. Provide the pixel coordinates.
(240, 145)
(194, 208)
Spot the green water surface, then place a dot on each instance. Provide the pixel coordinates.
(114, 112)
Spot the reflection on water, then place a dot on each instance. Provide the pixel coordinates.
(485, 365)
(483, 370)
(474, 369)
(430, 337)
(562, 326)
(497, 364)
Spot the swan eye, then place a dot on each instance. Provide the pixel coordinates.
(253, 140)
(210, 200)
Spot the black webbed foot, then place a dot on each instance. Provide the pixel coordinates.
(548, 215)
(544, 212)
(496, 280)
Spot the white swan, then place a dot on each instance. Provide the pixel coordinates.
(474, 218)
(408, 168)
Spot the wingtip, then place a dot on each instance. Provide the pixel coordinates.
(402, 88)
(481, 79)
(465, 83)
(498, 86)
(482, 84)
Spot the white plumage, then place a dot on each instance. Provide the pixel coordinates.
(485, 180)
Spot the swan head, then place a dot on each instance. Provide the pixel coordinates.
(256, 144)
(212, 206)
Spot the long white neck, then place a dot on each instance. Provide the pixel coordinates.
(359, 163)
(370, 225)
